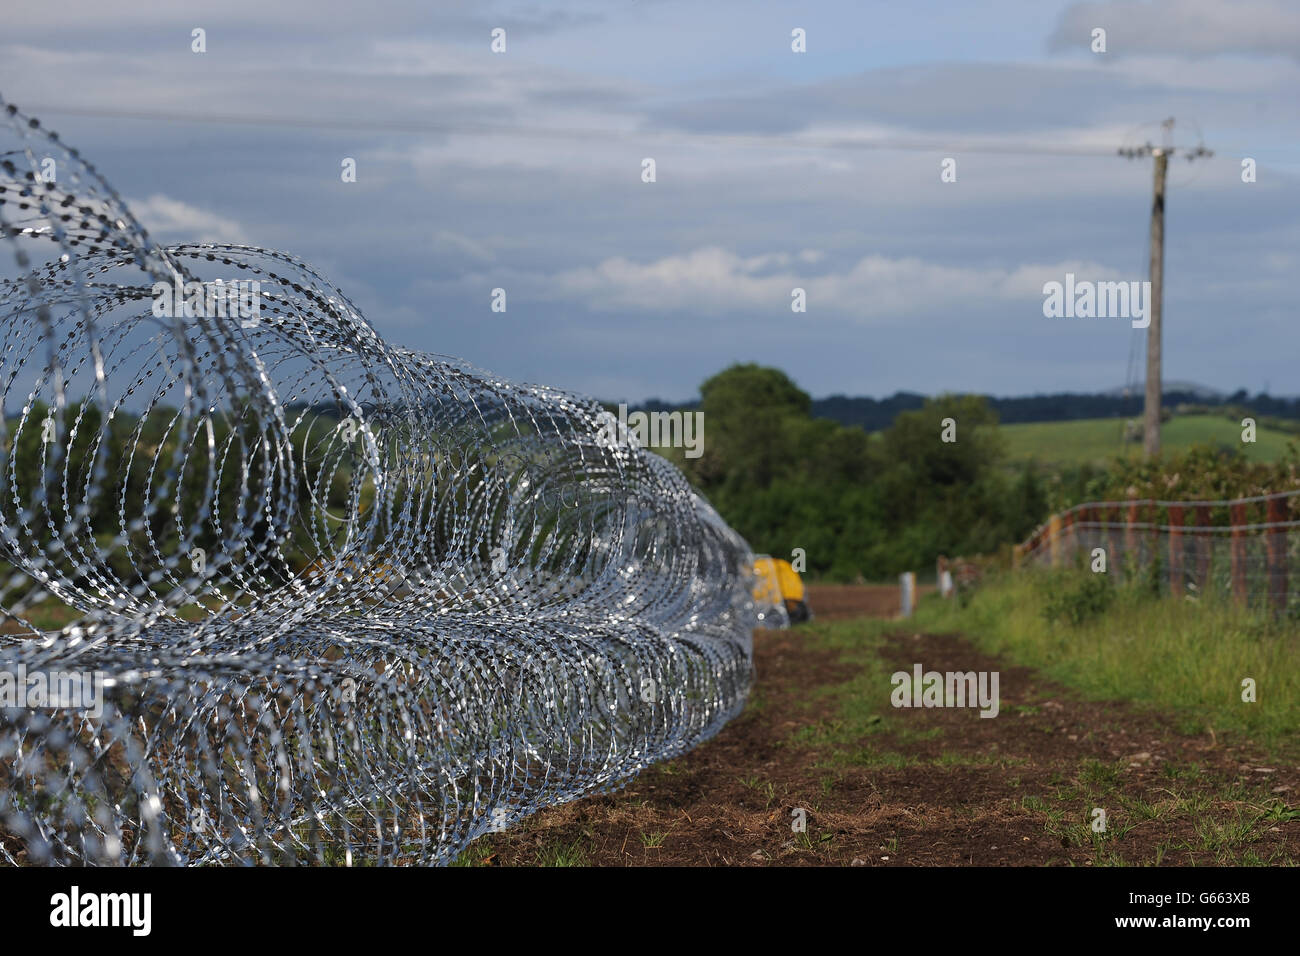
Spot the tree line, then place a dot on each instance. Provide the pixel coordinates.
(858, 504)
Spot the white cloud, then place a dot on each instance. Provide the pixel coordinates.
(715, 281)
(172, 220)
(447, 245)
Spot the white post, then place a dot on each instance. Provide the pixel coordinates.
(945, 583)
(907, 583)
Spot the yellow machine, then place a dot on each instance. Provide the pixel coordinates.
(779, 584)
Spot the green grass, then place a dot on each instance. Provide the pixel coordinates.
(1100, 439)
(860, 699)
(562, 854)
(474, 854)
(1186, 658)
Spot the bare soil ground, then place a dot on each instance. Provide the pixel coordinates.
(880, 786)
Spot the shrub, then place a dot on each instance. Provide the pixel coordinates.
(1088, 598)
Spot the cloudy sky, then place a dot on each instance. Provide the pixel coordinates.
(774, 170)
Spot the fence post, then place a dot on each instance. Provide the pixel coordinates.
(1114, 517)
(1204, 544)
(943, 577)
(1176, 550)
(1240, 592)
(907, 587)
(1130, 537)
(1276, 549)
(1097, 533)
(1054, 539)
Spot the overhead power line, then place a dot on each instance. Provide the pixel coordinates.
(357, 124)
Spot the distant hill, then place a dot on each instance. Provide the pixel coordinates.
(1099, 440)
(874, 414)
(1203, 393)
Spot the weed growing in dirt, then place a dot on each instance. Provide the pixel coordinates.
(1101, 776)
(562, 854)
(475, 854)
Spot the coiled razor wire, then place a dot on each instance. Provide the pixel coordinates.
(333, 601)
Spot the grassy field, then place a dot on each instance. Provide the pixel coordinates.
(1100, 439)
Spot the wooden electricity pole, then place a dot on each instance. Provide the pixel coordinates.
(1155, 306)
(1151, 410)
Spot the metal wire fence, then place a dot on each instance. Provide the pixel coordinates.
(1245, 550)
(275, 591)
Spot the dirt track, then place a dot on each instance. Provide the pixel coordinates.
(923, 786)
(835, 601)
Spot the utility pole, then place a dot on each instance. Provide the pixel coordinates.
(1161, 154)
(1151, 409)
